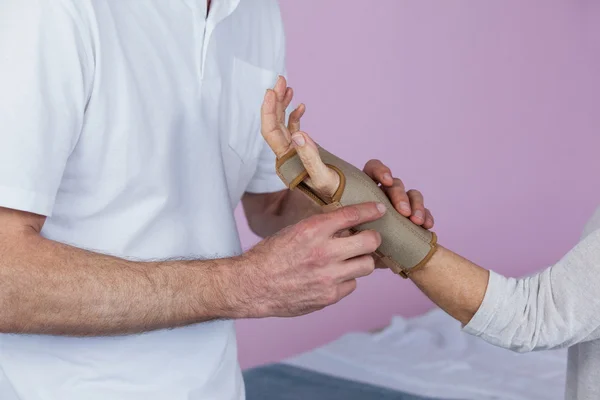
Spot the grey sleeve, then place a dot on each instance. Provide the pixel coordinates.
(556, 308)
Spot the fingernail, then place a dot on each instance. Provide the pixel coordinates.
(382, 208)
(299, 140)
(387, 177)
(405, 207)
(419, 214)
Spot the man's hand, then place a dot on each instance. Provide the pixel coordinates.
(307, 266)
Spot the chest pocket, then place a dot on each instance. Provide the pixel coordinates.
(246, 93)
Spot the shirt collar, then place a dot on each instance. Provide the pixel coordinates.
(219, 9)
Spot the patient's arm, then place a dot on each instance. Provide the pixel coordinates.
(454, 283)
(557, 307)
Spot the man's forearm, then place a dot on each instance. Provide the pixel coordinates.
(454, 283)
(51, 288)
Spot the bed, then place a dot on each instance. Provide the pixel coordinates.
(422, 358)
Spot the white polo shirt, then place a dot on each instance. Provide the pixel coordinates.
(134, 125)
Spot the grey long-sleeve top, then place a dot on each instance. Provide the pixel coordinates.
(558, 307)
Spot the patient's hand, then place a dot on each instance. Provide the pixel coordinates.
(282, 138)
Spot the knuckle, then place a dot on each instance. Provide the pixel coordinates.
(366, 266)
(398, 191)
(371, 240)
(370, 263)
(353, 284)
(376, 237)
(401, 198)
(350, 214)
(307, 161)
(381, 167)
(415, 193)
(302, 237)
(305, 231)
(331, 296)
(301, 230)
(319, 256)
(326, 282)
(373, 163)
(328, 293)
(398, 184)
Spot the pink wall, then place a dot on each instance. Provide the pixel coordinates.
(491, 108)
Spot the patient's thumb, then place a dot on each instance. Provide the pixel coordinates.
(322, 179)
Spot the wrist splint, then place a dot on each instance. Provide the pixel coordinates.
(405, 246)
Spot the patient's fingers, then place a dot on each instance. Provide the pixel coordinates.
(418, 207)
(393, 187)
(270, 126)
(379, 172)
(429, 222)
(399, 198)
(283, 95)
(287, 99)
(321, 178)
(280, 88)
(294, 120)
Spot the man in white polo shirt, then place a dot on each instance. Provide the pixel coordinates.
(129, 133)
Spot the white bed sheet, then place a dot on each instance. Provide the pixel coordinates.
(430, 356)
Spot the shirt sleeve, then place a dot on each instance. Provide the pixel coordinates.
(556, 308)
(44, 85)
(265, 179)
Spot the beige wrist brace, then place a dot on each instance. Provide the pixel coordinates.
(404, 247)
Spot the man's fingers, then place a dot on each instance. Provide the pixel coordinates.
(355, 268)
(345, 289)
(271, 128)
(343, 234)
(295, 117)
(379, 172)
(349, 217)
(418, 207)
(399, 198)
(360, 244)
(322, 179)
